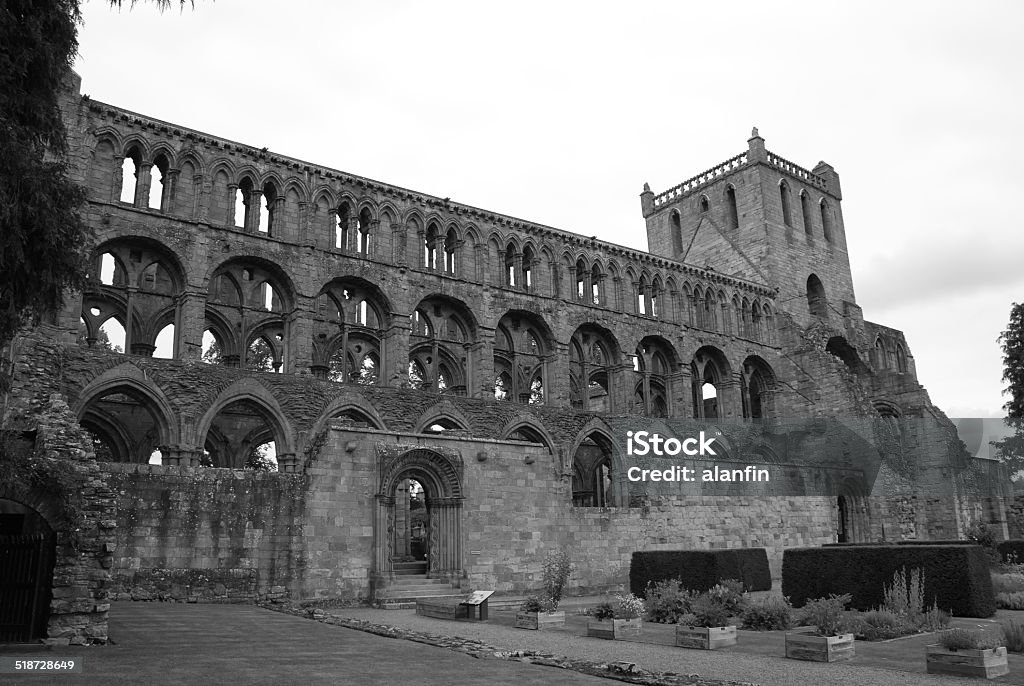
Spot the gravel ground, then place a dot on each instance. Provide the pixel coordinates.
(755, 669)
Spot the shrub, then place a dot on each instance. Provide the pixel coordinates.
(826, 614)
(557, 569)
(903, 598)
(1014, 635)
(881, 625)
(933, 619)
(629, 607)
(532, 604)
(699, 570)
(961, 639)
(1010, 601)
(667, 600)
(769, 614)
(709, 610)
(1007, 582)
(958, 575)
(981, 534)
(730, 594)
(602, 611)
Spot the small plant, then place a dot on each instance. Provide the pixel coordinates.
(981, 533)
(630, 607)
(532, 604)
(933, 619)
(769, 614)
(710, 610)
(730, 594)
(558, 568)
(905, 596)
(880, 625)
(667, 600)
(826, 614)
(602, 611)
(1014, 635)
(962, 639)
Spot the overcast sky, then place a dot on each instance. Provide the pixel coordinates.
(559, 112)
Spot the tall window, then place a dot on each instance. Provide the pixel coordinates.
(805, 211)
(784, 198)
(734, 211)
(826, 220)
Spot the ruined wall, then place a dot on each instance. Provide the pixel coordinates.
(243, 529)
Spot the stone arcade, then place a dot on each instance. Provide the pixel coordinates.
(447, 390)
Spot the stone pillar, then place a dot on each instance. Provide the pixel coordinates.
(299, 336)
(229, 205)
(170, 190)
(398, 244)
(679, 393)
(333, 226)
(446, 537)
(189, 324)
(142, 185)
(252, 211)
(395, 354)
(383, 526)
(288, 463)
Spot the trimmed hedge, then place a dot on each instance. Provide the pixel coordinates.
(957, 576)
(699, 570)
(1015, 546)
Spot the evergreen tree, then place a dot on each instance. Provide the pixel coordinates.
(1011, 449)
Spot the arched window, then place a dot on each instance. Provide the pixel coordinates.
(519, 358)
(596, 285)
(529, 258)
(676, 227)
(341, 231)
(268, 210)
(641, 296)
(733, 207)
(592, 354)
(755, 382)
(816, 302)
(653, 362)
(510, 265)
(705, 204)
(430, 246)
(826, 220)
(363, 237)
(881, 360)
(242, 197)
(805, 211)
(158, 184)
(451, 243)
(581, 280)
(784, 198)
(708, 371)
(130, 175)
(442, 336)
(592, 479)
(901, 359)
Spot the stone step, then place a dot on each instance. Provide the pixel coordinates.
(416, 566)
(413, 592)
(417, 579)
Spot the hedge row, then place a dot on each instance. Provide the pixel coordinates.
(699, 570)
(956, 576)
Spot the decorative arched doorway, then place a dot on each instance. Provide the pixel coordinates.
(439, 474)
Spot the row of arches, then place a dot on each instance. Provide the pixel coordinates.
(266, 204)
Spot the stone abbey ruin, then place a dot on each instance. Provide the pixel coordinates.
(445, 390)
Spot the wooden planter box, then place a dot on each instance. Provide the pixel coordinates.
(986, 664)
(614, 628)
(539, 620)
(807, 646)
(705, 637)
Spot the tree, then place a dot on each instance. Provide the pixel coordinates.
(1011, 449)
(44, 243)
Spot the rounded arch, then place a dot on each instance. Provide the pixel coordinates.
(287, 290)
(439, 476)
(352, 405)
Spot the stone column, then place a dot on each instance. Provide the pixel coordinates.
(288, 463)
(189, 322)
(142, 185)
(395, 354)
(252, 211)
(398, 244)
(383, 526)
(229, 205)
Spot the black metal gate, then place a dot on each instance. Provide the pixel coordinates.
(26, 562)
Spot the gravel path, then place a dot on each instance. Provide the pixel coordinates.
(755, 669)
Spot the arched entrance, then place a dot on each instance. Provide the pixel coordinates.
(852, 514)
(433, 523)
(27, 555)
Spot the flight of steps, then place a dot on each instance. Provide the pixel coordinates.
(410, 583)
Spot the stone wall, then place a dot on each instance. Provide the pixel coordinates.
(215, 522)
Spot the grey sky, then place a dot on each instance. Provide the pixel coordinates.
(559, 114)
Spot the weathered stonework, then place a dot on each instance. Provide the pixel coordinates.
(380, 337)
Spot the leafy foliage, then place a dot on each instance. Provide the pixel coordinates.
(43, 239)
(962, 639)
(826, 614)
(667, 601)
(557, 569)
(770, 614)
(1011, 449)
